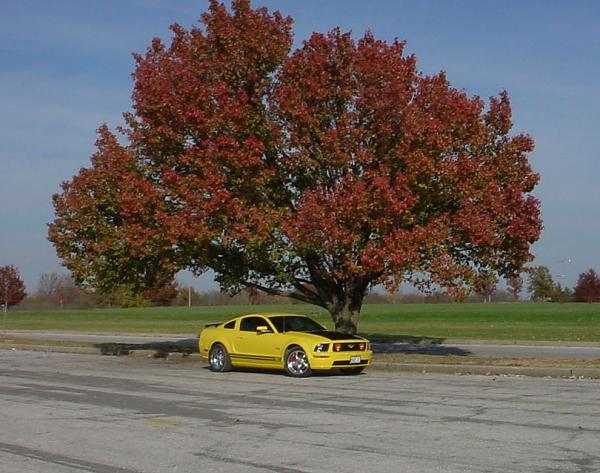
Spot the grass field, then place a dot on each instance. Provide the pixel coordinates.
(502, 321)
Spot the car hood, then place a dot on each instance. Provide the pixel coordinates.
(332, 335)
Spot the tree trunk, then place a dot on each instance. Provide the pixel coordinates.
(346, 311)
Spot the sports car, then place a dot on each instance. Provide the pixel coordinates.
(295, 343)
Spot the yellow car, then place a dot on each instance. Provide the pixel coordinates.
(294, 343)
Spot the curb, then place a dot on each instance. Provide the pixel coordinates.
(50, 348)
(547, 343)
(95, 351)
(487, 370)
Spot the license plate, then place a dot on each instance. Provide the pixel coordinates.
(354, 360)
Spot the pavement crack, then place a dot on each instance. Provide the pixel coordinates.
(63, 460)
(247, 463)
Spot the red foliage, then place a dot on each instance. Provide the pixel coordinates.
(163, 293)
(107, 228)
(399, 172)
(587, 288)
(325, 171)
(12, 287)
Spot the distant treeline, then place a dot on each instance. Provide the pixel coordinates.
(59, 291)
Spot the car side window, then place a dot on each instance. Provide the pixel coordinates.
(230, 325)
(249, 324)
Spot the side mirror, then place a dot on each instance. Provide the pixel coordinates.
(263, 329)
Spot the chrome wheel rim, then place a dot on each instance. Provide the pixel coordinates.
(297, 362)
(217, 358)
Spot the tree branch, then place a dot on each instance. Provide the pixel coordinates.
(303, 293)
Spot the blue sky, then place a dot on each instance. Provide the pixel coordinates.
(65, 68)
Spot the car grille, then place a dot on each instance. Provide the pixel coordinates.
(353, 346)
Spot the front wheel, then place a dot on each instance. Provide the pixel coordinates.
(296, 363)
(218, 358)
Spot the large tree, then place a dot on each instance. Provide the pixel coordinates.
(12, 287)
(317, 173)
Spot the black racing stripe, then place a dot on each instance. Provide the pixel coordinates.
(255, 357)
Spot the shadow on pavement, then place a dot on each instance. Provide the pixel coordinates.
(411, 345)
(418, 349)
(402, 344)
(185, 346)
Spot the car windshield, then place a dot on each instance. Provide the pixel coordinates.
(288, 323)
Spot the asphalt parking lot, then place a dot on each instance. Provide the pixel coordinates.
(65, 413)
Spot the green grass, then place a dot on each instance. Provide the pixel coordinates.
(167, 320)
(567, 322)
(502, 321)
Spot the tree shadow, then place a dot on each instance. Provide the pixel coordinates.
(411, 345)
(185, 346)
(381, 343)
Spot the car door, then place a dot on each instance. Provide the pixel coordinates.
(254, 348)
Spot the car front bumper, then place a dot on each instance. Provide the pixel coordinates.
(345, 359)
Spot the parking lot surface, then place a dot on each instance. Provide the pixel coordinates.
(65, 413)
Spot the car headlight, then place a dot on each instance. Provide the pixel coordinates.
(322, 347)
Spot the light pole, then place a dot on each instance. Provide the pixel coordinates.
(563, 267)
(563, 289)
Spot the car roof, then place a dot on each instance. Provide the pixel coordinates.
(270, 314)
(266, 314)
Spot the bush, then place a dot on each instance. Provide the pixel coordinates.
(587, 288)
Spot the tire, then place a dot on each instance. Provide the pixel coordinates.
(296, 363)
(355, 370)
(218, 359)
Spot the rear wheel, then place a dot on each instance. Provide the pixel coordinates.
(296, 363)
(355, 370)
(218, 358)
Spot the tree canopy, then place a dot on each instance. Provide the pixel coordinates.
(12, 287)
(318, 173)
(587, 288)
(541, 285)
